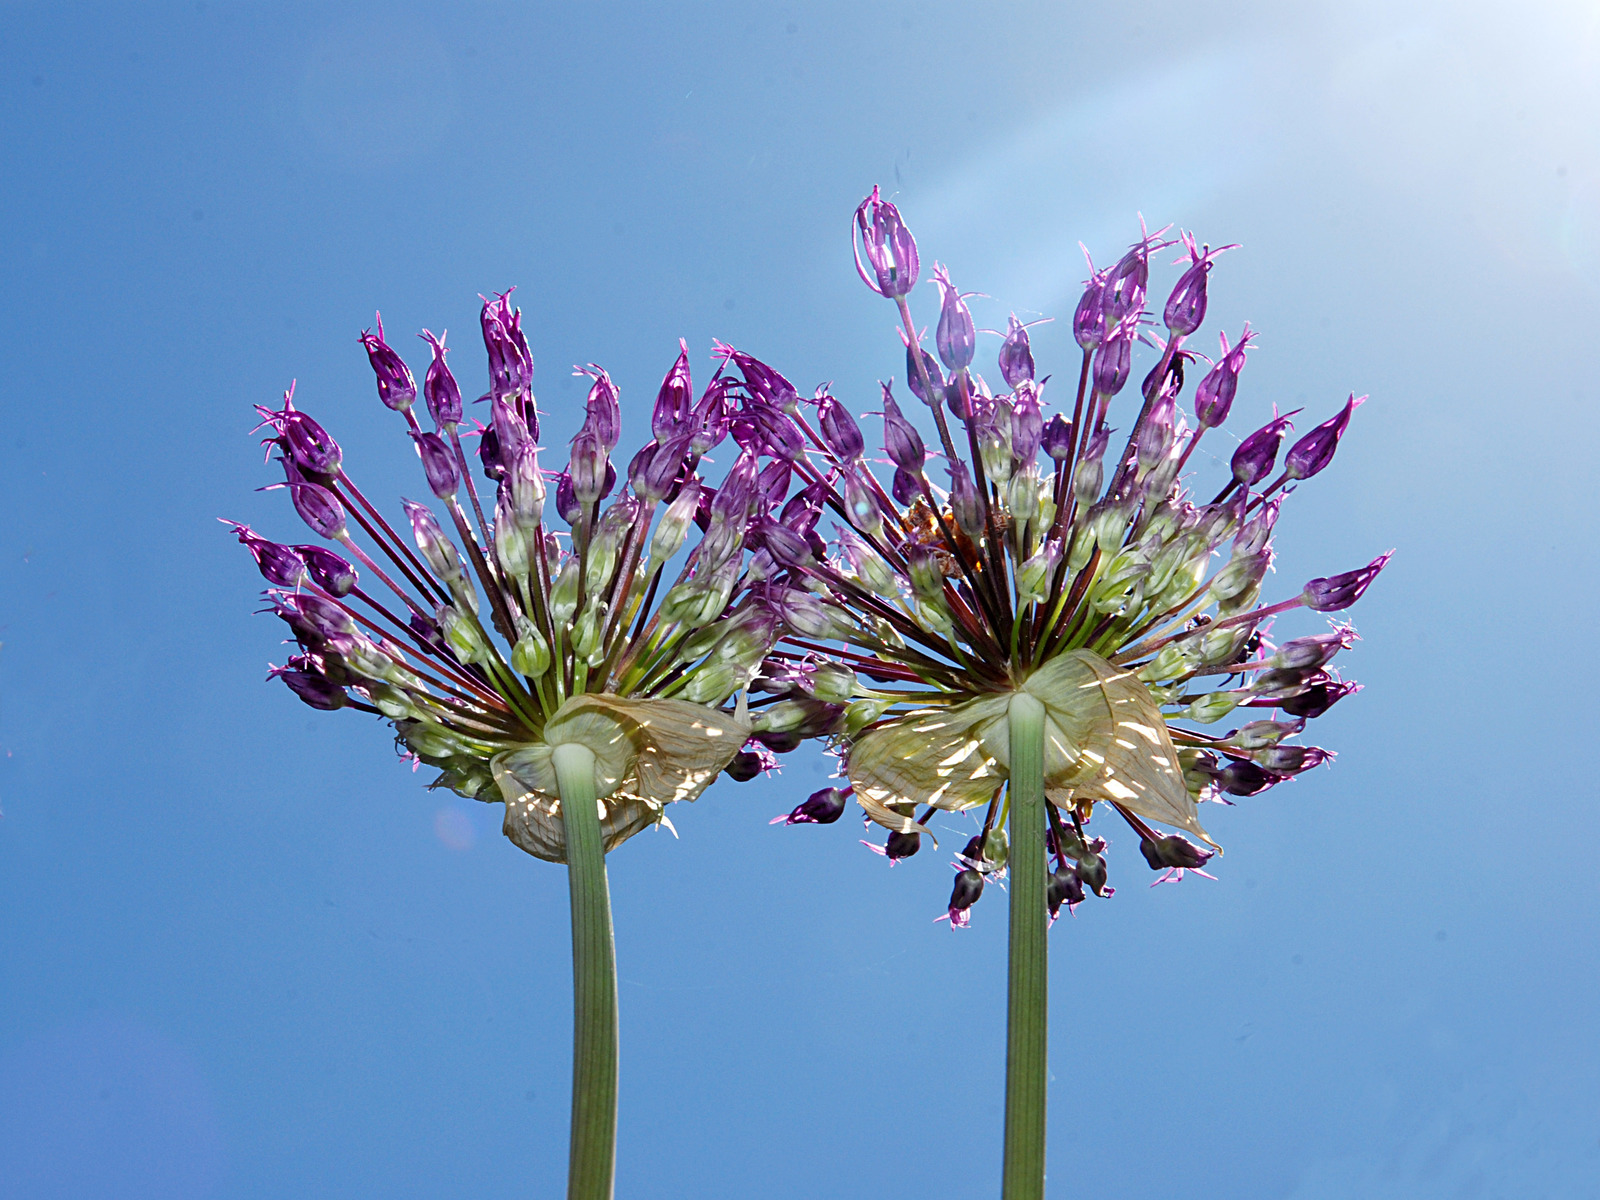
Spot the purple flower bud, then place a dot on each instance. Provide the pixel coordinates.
(324, 617)
(1256, 534)
(489, 452)
(1214, 397)
(1114, 359)
(566, 499)
(789, 549)
(328, 570)
(439, 387)
(914, 377)
(588, 467)
(317, 506)
(772, 485)
(955, 336)
(1027, 426)
(804, 614)
(1186, 307)
(736, 498)
(804, 508)
(1174, 852)
(510, 361)
(655, 468)
(1127, 282)
(839, 430)
(1341, 591)
(820, 808)
(780, 742)
(396, 387)
(902, 845)
(316, 691)
(675, 400)
(968, 887)
(889, 246)
(904, 487)
(1314, 651)
(1252, 461)
(279, 565)
(1318, 698)
(766, 386)
(438, 463)
(1064, 888)
(901, 441)
(1156, 434)
(1016, 358)
(438, 551)
(1291, 760)
(746, 765)
(1315, 451)
(711, 418)
(1057, 438)
(603, 416)
(305, 444)
(1243, 778)
(768, 432)
(1089, 321)
(964, 500)
(526, 485)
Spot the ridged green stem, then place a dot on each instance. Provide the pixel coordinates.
(1027, 993)
(592, 1158)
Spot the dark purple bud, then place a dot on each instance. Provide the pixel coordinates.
(736, 498)
(968, 887)
(889, 246)
(566, 499)
(804, 508)
(1064, 888)
(1027, 426)
(1252, 461)
(305, 443)
(1341, 591)
(279, 565)
(1092, 868)
(1318, 698)
(901, 441)
(746, 765)
(1291, 760)
(1315, 451)
(766, 431)
(840, 433)
(603, 417)
(439, 387)
(766, 386)
(772, 485)
(820, 808)
(1156, 434)
(1016, 357)
(1057, 438)
(902, 845)
(655, 468)
(1089, 321)
(904, 487)
(675, 400)
(317, 506)
(325, 618)
(780, 741)
(1186, 307)
(510, 362)
(964, 500)
(587, 468)
(1114, 359)
(489, 453)
(711, 418)
(328, 570)
(1214, 397)
(396, 387)
(788, 548)
(438, 463)
(914, 377)
(955, 336)
(1243, 778)
(1174, 852)
(316, 691)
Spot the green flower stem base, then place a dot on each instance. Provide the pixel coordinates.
(1027, 994)
(593, 1155)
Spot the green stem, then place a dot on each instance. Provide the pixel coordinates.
(592, 1159)
(1026, 1041)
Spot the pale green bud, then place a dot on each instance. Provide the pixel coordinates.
(1219, 646)
(833, 683)
(1174, 660)
(531, 655)
(673, 528)
(390, 701)
(564, 593)
(462, 636)
(1213, 706)
(1082, 549)
(1258, 735)
(1033, 576)
(588, 632)
(862, 713)
(511, 549)
(933, 615)
(997, 847)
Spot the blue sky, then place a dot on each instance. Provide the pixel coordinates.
(243, 953)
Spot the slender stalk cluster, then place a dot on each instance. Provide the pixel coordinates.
(493, 634)
(1108, 583)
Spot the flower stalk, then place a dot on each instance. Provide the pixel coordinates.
(1027, 992)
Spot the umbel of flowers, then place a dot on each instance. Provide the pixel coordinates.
(586, 676)
(1042, 626)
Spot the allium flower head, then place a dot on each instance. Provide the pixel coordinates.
(1094, 581)
(487, 638)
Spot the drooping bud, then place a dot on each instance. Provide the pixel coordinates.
(1214, 397)
(316, 691)
(328, 570)
(955, 336)
(1057, 438)
(968, 887)
(1065, 887)
(1315, 451)
(889, 247)
(439, 387)
(1174, 853)
(1318, 698)
(1291, 760)
(1341, 591)
(839, 430)
(1314, 651)
(1252, 461)
(1016, 357)
(1244, 778)
(914, 377)
(902, 845)
(820, 808)
(396, 387)
(438, 463)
